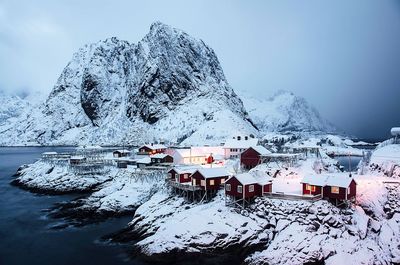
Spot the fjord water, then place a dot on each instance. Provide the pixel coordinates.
(26, 236)
(349, 163)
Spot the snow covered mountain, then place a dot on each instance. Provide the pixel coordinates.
(285, 112)
(11, 106)
(168, 86)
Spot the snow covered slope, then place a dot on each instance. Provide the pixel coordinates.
(11, 106)
(168, 86)
(285, 112)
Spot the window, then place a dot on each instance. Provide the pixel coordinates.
(251, 188)
(239, 189)
(335, 190)
(222, 181)
(212, 182)
(203, 183)
(193, 182)
(228, 187)
(185, 176)
(310, 188)
(170, 175)
(348, 191)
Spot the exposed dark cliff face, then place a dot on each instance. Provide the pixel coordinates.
(177, 66)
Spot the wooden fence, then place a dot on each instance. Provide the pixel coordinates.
(289, 196)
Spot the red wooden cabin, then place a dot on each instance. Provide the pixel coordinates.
(121, 153)
(181, 174)
(247, 186)
(152, 149)
(251, 157)
(161, 158)
(209, 178)
(334, 186)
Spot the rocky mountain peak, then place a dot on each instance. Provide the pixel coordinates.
(169, 85)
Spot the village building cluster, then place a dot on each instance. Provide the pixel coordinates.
(198, 172)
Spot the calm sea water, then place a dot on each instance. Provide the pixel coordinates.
(349, 163)
(25, 234)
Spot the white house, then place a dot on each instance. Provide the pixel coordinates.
(195, 155)
(236, 145)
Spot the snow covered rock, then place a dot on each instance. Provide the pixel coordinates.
(169, 85)
(43, 177)
(386, 159)
(120, 196)
(285, 112)
(11, 106)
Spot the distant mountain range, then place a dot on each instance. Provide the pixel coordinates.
(285, 112)
(169, 86)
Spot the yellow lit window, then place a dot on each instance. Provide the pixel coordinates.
(310, 188)
(335, 190)
(212, 182)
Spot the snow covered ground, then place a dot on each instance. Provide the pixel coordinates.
(270, 231)
(43, 176)
(289, 232)
(124, 193)
(386, 160)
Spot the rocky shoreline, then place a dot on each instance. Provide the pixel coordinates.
(167, 229)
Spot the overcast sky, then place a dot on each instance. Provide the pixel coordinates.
(342, 56)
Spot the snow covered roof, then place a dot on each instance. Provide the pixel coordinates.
(395, 131)
(386, 154)
(339, 180)
(77, 157)
(261, 150)
(122, 151)
(248, 179)
(242, 143)
(155, 146)
(263, 180)
(213, 172)
(317, 180)
(161, 156)
(245, 178)
(335, 180)
(200, 151)
(185, 169)
(49, 153)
